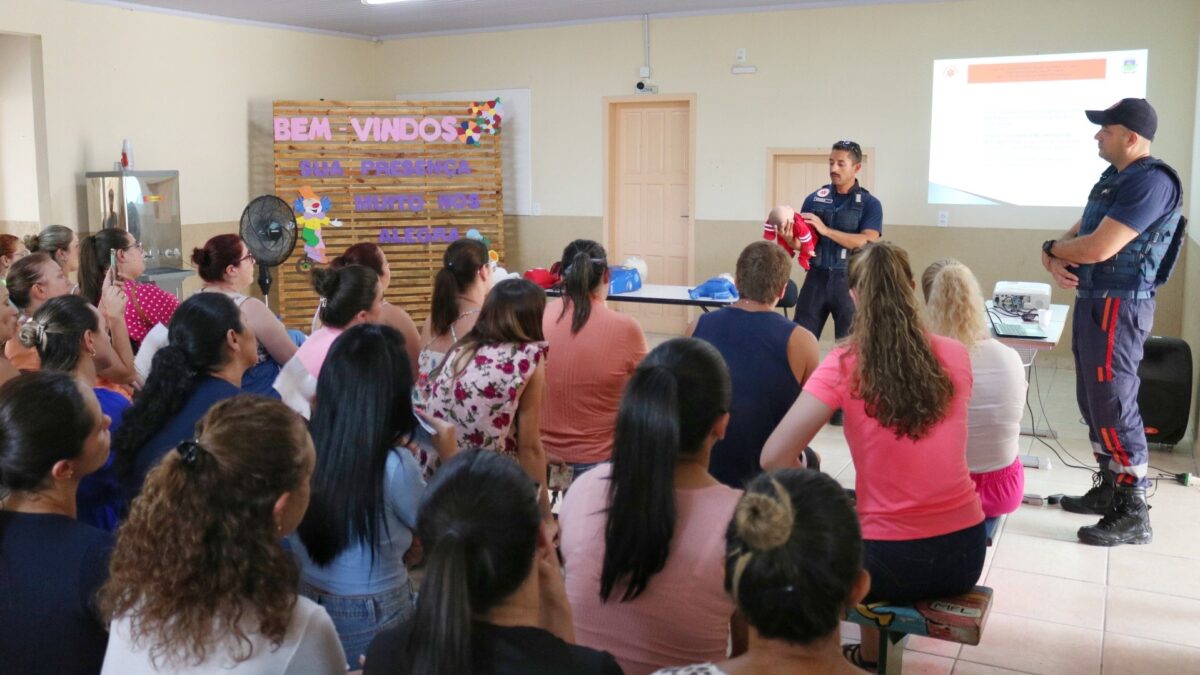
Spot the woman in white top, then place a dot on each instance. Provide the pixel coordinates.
(227, 266)
(955, 308)
(458, 292)
(199, 581)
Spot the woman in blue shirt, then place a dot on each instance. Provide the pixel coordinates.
(365, 488)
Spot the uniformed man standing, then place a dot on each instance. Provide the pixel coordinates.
(1115, 256)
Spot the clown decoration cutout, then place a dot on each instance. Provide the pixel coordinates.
(311, 217)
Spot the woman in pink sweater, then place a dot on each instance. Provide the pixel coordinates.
(904, 394)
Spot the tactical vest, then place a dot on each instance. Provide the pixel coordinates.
(1143, 264)
(846, 218)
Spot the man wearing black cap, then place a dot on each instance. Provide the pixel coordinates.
(1121, 250)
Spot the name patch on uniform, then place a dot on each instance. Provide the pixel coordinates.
(823, 192)
(823, 201)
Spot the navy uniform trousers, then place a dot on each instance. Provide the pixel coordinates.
(825, 292)
(1107, 339)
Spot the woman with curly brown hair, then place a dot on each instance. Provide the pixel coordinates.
(199, 581)
(904, 394)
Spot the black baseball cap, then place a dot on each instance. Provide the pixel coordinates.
(1135, 114)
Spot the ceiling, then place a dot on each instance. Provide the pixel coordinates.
(433, 17)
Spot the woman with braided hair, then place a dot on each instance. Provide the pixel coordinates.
(793, 563)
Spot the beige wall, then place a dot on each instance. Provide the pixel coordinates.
(19, 201)
(191, 94)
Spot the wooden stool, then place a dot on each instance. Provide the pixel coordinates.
(955, 619)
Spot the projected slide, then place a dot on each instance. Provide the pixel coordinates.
(1011, 130)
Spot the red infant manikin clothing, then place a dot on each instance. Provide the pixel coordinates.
(804, 234)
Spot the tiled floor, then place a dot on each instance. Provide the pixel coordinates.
(1062, 607)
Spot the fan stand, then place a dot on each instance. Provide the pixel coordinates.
(264, 283)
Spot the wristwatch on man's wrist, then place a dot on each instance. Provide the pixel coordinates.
(1048, 247)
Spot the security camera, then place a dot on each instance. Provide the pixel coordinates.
(644, 87)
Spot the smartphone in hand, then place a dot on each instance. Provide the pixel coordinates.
(423, 433)
(112, 267)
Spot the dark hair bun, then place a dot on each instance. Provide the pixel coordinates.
(326, 281)
(200, 257)
(32, 241)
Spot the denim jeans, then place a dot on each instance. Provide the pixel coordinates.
(358, 618)
(919, 569)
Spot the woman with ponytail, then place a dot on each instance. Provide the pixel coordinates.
(459, 289)
(955, 307)
(904, 394)
(52, 434)
(595, 351)
(226, 266)
(11, 250)
(66, 334)
(793, 562)
(60, 243)
(208, 350)
(644, 561)
(348, 296)
(371, 256)
(199, 581)
(147, 305)
(492, 600)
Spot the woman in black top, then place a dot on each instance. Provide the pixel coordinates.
(493, 599)
(52, 434)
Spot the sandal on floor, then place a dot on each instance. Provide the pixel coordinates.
(853, 654)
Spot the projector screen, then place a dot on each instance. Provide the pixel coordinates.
(1011, 130)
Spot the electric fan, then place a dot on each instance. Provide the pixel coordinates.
(269, 230)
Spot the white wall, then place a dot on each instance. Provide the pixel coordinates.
(19, 190)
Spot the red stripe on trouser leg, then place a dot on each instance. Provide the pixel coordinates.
(1112, 335)
(1099, 373)
(1104, 319)
(1119, 453)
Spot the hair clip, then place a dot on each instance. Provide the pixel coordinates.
(322, 303)
(189, 451)
(39, 332)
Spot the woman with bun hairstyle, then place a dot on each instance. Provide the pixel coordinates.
(147, 305)
(492, 600)
(12, 249)
(60, 243)
(52, 434)
(34, 280)
(8, 331)
(794, 565)
(227, 266)
(904, 393)
(955, 307)
(583, 391)
(349, 296)
(372, 256)
(200, 582)
(641, 535)
(459, 289)
(66, 333)
(209, 348)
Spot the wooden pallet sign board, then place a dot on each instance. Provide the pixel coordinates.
(411, 176)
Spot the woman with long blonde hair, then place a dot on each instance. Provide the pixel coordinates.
(955, 308)
(904, 394)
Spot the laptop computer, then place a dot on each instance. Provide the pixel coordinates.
(1015, 330)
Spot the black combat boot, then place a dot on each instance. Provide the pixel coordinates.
(1098, 500)
(1127, 522)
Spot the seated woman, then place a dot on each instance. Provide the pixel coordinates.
(146, 305)
(52, 434)
(226, 266)
(8, 331)
(200, 582)
(793, 564)
(60, 243)
(371, 256)
(459, 289)
(642, 536)
(66, 332)
(35, 279)
(490, 386)
(209, 348)
(366, 487)
(768, 356)
(595, 351)
(904, 394)
(954, 306)
(349, 296)
(493, 599)
(11, 250)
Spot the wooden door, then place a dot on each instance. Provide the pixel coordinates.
(650, 200)
(795, 174)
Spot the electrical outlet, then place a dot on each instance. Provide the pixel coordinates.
(739, 55)
(943, 219)
(644, 71)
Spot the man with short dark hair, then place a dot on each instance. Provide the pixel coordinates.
(1115, 257)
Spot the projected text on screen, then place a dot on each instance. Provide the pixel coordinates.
(1011, 130)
